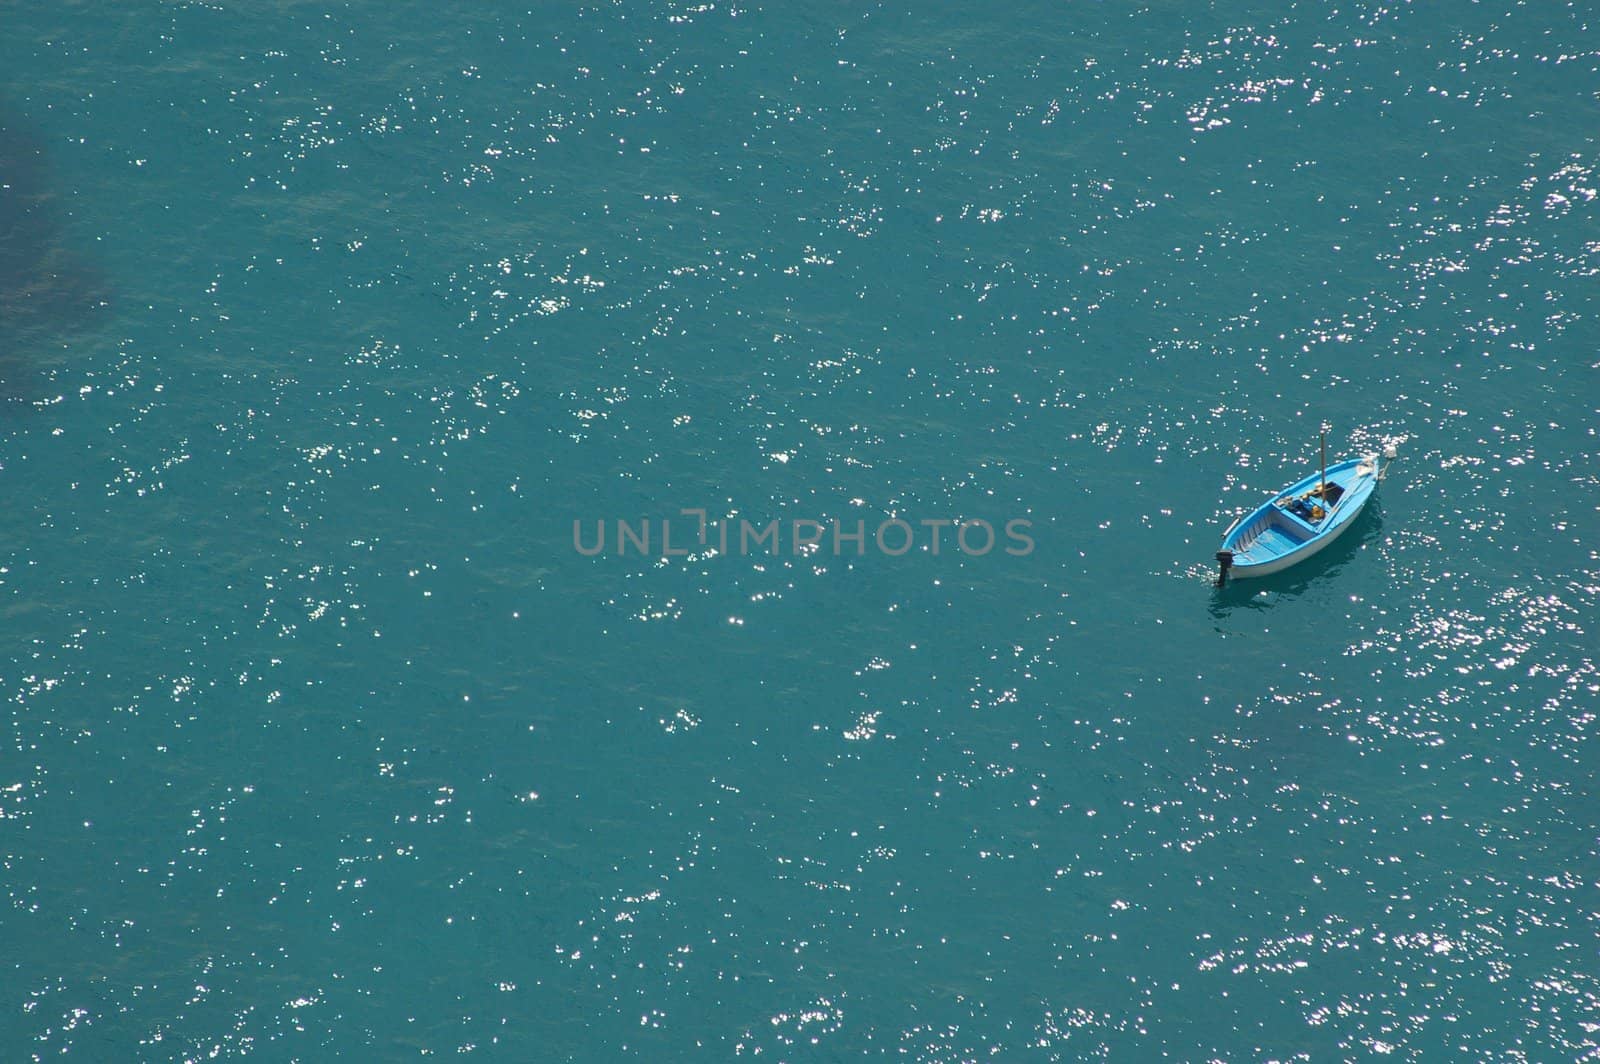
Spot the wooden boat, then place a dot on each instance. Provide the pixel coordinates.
(1301, 519)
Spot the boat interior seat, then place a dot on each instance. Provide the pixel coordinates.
(1296, 520)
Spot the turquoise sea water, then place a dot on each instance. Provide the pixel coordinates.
(321, 325)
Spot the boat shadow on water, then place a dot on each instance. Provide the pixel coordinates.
(49, 292)
(1264, 592)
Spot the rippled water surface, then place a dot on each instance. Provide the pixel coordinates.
(322, 325)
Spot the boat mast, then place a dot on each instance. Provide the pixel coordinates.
(1322, 489)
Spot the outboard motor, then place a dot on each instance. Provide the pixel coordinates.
(1225, 560)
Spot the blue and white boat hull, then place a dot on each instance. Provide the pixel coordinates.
(1283, 561)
